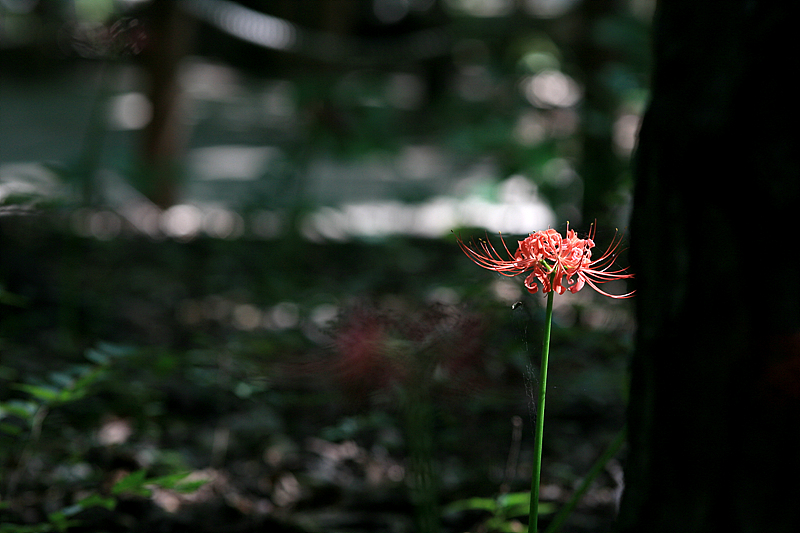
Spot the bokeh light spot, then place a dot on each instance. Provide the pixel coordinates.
(246, 317)
(129, 111)
(284, 315)
(551, 88)
(182, 221)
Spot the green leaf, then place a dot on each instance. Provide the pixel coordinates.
(21, 409)
(472, 504)
(190, 486)
(515, 503)
(72, 510)
(177, 482)
(132, 483)
(168, 481)
(60, 520)
(95, 500)
(503, 525)
(44, 394)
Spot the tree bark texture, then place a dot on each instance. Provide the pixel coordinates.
(714, 417)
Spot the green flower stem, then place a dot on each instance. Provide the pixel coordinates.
(539, 432)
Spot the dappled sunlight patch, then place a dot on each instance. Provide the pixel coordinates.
(435, 218)
(247, 317)
(144, 217)
(29, 183)
(232, 162)
(443, 296)
(182, 221)
(203, 79)
(506, 291)
(551, 88)
(246, 24)
(531, 128)
(323, 314)
(347, 463)
(284, 315)
(286, 490)
(626, 129)
(607, 316)
(129, 111)
(244, 316)
(211, 484)
(114, 431)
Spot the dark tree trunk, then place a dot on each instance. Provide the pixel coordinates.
(714, 417)
(164, 143)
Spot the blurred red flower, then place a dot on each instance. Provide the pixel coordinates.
(438, 346)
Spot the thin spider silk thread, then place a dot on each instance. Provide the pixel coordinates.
(529, 376)
(530, 392)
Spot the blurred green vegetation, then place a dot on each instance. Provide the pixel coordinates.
(207, 337)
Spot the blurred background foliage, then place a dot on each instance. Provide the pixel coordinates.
(218, 191)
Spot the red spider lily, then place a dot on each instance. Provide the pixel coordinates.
(556, 262)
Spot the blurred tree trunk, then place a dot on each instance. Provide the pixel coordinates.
(165, 136)
(600, 167)
(714, 415)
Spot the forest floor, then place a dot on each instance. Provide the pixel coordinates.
(300, 384)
